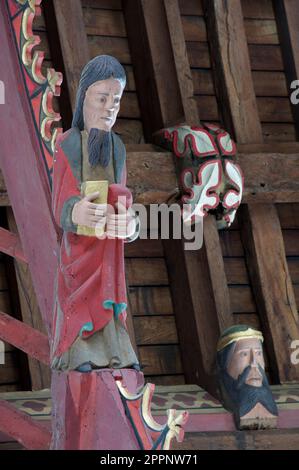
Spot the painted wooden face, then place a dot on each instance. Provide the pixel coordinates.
(248, 352)
(101, 104)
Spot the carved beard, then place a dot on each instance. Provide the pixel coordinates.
(99, 147)
(244, 397)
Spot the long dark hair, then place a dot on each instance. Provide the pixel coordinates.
(101, 67)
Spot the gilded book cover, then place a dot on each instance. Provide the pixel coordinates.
(89, 187)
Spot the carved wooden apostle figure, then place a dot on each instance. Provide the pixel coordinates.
(89, 329)
(243, 383)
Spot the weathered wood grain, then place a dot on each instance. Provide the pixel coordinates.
(150, 300)
(287, 15)
(155, 330)
(261, 234)
(272, 285)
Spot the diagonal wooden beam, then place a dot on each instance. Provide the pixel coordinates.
(29, 194)
(165, 88)
(262, 239)
(29, 433)
(272, 286)
(10, 244)
(73, 42)
(24, 337)
(287, 19)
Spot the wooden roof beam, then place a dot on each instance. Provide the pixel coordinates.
(269, 177)
(287, 18)
(24, 337)
(262, 238)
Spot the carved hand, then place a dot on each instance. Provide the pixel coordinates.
(89, 214)
(121, 225)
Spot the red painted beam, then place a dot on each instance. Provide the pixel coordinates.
(223, 421)
(29, 193)
(24, 337)
(10, 244)
(22, 428)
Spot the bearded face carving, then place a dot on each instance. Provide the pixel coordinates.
(209, 178)
(243, 384)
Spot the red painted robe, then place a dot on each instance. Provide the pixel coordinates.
(91, 278)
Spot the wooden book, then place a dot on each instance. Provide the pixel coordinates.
(89, 187)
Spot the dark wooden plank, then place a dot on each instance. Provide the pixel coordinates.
(150, 301)
(194, 28)
(257, 31)
(231, 243)
(241, 299)
(265, 57)
(103, 4)
(269, 83)
(9, 371)
(236, 271)
(198, 54)
(293, 264)
(288, 215)
(207, 108)
(162, 359)
(146, 272)
(258, 9)
(261, 31)
(178, 379)
(104, 23)
(291, 242)
(202, 82)
(144, 249)
(251, 319)
(117, 47)
(155, 330)
(273, 109)
(3, 277)
(287, 16)
(191, 7)
(130, 130)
